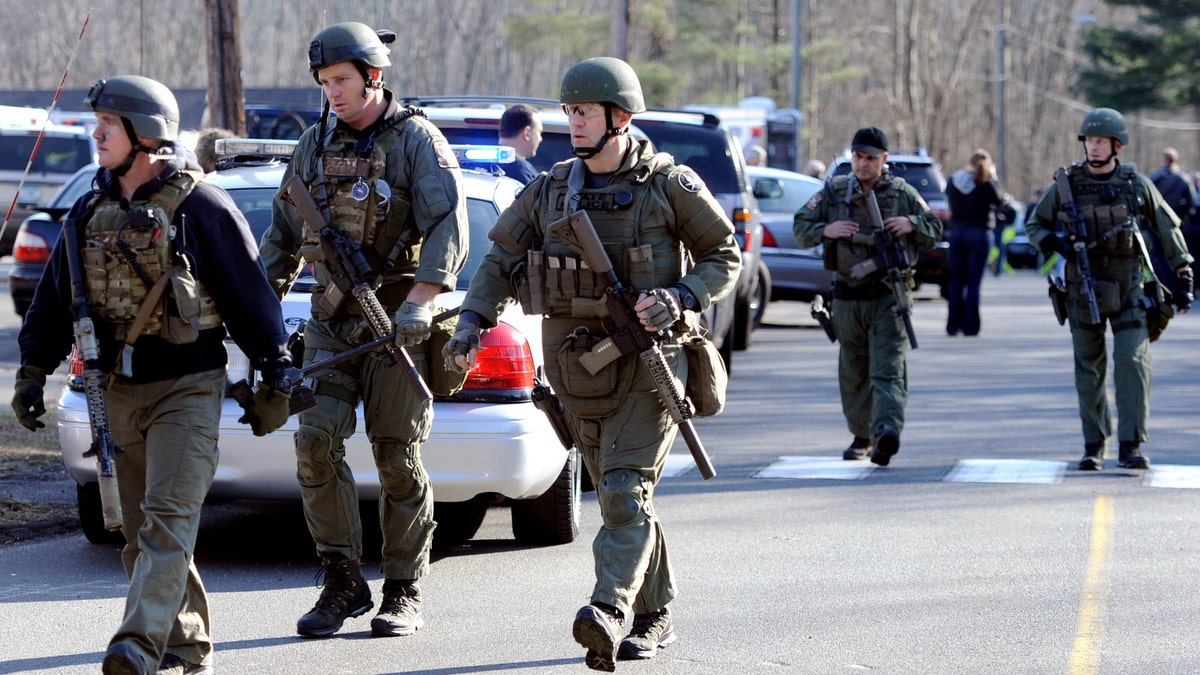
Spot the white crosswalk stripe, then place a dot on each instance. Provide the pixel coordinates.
(1006, 471)
(834, 468)
(1173, 476)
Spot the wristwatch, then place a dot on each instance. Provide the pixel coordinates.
(686, 298)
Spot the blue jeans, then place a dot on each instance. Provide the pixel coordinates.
(968, 258)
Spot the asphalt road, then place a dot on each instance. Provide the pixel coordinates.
(978, 550)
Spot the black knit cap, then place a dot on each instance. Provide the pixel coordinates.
(870, 140)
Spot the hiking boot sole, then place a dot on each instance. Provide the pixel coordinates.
(856, 454)
(1138, 463)
(330, 630)
(1090, 464)
(381, 627)
(629, 651)
(593, 632)
(121, 659)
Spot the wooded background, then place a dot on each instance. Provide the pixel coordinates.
(927, 72)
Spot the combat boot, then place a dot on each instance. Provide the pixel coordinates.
(345, 595)
(596, 628)
(886, 445)
(174, 665)
(400, 609)
(859, 449)
(1093, 457)
(650, 633)
(1129, 456)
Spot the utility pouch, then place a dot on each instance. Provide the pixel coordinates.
(1058, 299)
(1159, 308)
(441, 381)
(641, 266)
(829, 255)
(1108, 297)
(577, 379)
(850, 255)
(182, 325)
(535, 286)
(707, 378)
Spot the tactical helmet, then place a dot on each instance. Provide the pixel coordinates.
(147, 105)
(603, 80)
(350, 41)
(1105, 123)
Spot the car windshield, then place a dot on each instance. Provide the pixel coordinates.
(255, 204)
(704, 149)
(793, 196)
(555, 147)
(924, 177)
(56, 154)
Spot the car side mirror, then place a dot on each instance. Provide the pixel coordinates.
(768, 188)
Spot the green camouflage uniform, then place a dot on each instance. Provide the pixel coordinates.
(427, 213)
(649, 214)
(1116, 262)
(872, 373)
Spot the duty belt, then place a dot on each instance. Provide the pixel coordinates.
(873, 291)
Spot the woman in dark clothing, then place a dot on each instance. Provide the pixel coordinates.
(972, 194)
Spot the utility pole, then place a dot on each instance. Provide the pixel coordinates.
(226, 98)
(794, 29)
(620, 30)
(1000, 77)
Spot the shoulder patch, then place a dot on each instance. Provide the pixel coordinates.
(688, 180)
(445, 155)
(815, 200)
(921, 201)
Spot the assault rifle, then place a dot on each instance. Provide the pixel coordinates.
(631, 335)
(1075, 227)
(349, 268)
(88, 347)
(891, 256)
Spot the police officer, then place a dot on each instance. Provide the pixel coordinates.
(149, 215)
(392, 185)
(872, 374)
(651, 215)
(1111, 196)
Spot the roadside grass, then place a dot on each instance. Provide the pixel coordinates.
(24, 452)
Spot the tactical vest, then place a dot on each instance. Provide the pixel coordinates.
(362, 204)
(645, 251)
(847, 253)
(1107, 208)
(126, 250)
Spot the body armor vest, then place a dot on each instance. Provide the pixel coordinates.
(848, 254)
(126, 250)
(1106, 208)
(361, 202)
(644, 250)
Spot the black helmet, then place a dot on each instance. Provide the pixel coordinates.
(1105, 123)
(148, 106)
(350, 41)
(603, 80)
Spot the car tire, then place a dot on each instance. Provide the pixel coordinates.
(726, 350)
(743, 323)
(91, 517)
(761, 295)
(457, 522)
(552, 518)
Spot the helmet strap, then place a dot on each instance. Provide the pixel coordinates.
(1097, 163)
(588, 153)
(134, 148)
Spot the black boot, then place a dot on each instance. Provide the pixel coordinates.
(859, 449)
(1093, 457)
(1129, 456)
(886, 445)
(345, 595)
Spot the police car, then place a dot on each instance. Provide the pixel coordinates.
(489, 444)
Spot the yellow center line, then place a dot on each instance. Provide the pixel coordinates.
(1085, 655)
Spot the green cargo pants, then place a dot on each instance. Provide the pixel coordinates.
(872, 373)
(625, 454)
(1131, 375)
(397, 423)
(169, 432)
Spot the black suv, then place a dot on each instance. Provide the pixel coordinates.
(699, 141)
(919, 170)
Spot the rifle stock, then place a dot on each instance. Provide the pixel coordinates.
(348, 268)
(103, 448)
(891, 257)
(631, 336)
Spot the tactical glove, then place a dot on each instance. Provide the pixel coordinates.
(412, 324)
(269, 408)
(1056, 244)
(1186, 294)
(464, 343)
(27, 402)
(659, 309)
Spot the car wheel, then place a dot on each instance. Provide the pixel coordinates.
(91, 517)
(457, 522)
(552, 518)
(761, 296)
(726, 350)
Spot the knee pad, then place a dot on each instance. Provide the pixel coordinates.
(316, 456)
(399, 468)
(624, 498)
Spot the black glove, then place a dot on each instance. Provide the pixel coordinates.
(1187, 287)
(269, 408)
(27, 402)
(1056, 244)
